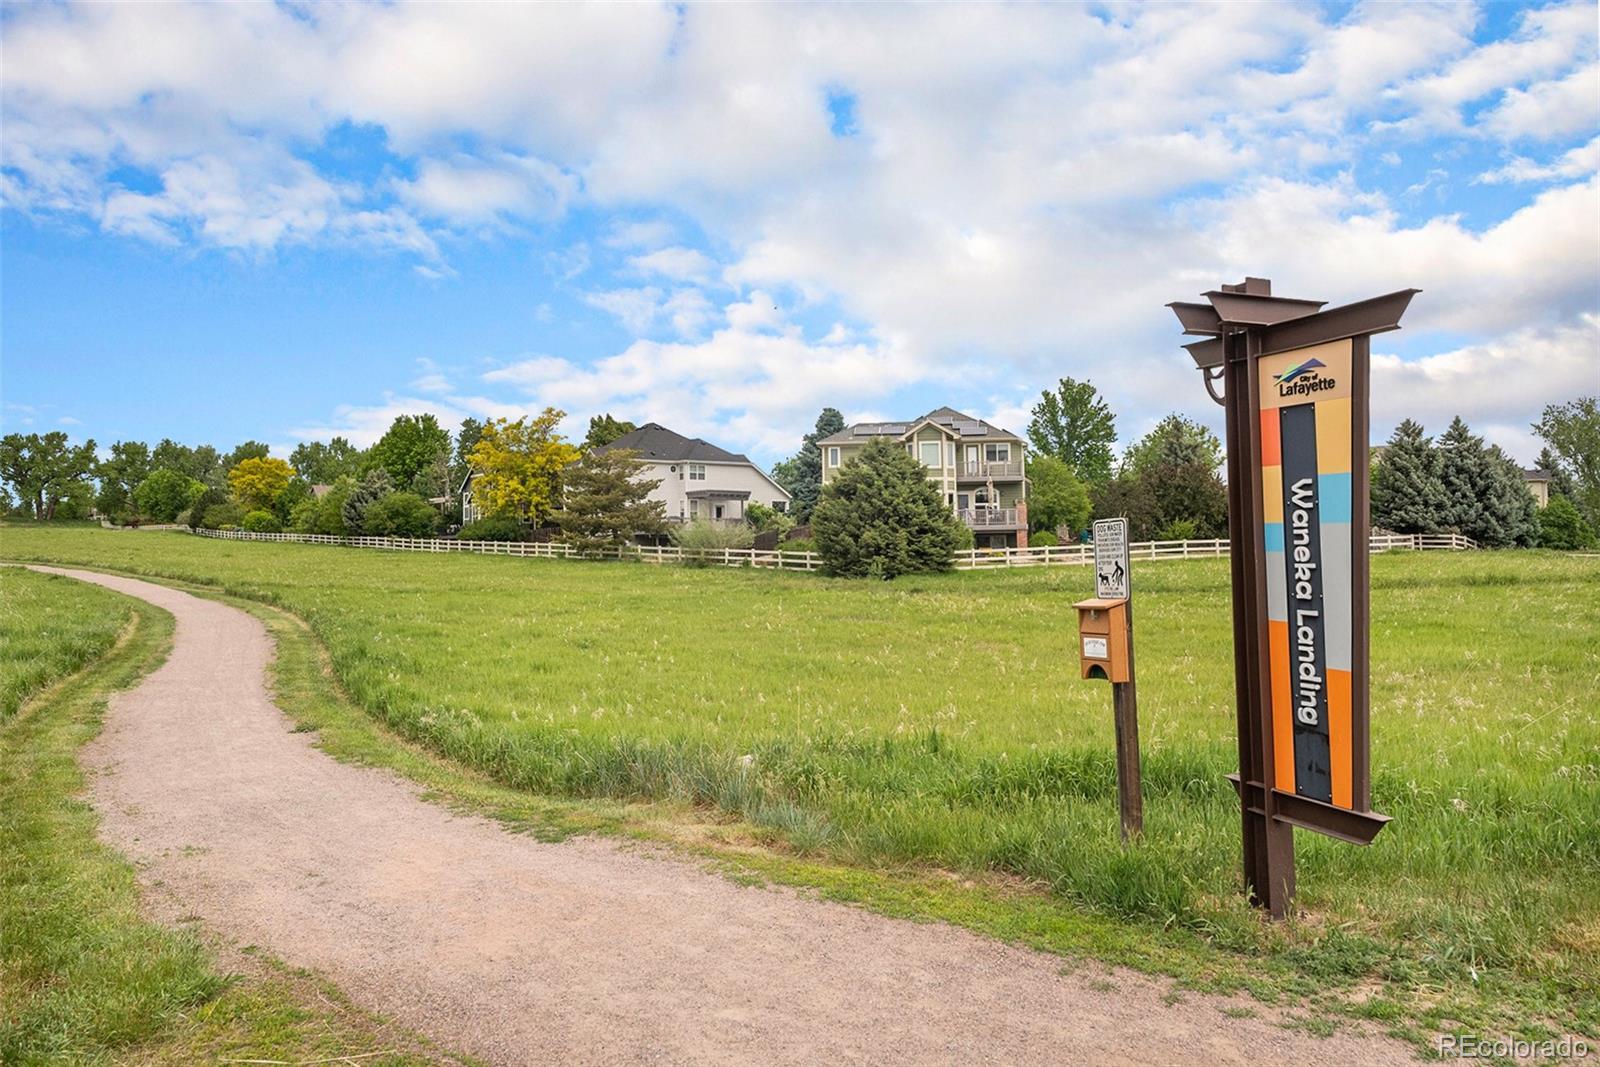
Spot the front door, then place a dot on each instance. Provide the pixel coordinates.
(963, 501)
(972, 459)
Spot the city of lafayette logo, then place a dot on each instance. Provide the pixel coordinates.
(1302, 379)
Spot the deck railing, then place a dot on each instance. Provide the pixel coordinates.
(990, 518)
(780, 559)
(988, 469)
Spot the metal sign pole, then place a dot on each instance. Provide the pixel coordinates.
(1296, 382)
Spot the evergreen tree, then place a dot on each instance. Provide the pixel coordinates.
(1465, 473)
(373, 487)
(466, 439)
(605, 501)
(880, 516)
(801, 475)
(1076, 426)
(1511, 515)
(1174, 442)
(1408, 495)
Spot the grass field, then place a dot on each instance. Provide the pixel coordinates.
(84, 978)
(939, 722)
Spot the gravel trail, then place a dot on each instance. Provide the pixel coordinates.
(587, 951)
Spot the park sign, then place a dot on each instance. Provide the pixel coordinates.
(1295, 384)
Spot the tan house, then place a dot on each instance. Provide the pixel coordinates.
(1538, 484)
(978, 467)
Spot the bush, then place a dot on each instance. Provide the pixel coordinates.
(1043, 539)
(303, 516)
(401, 515)
(966, 540)
(225, 515)
(203, 504)
(1562, 527)
(701, 536)
(797, 544)
(494, 528)
(1177, 530)
(259, 521)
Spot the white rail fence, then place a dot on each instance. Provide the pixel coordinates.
(972, 559)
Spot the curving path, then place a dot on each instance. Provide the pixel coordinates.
(580, 952)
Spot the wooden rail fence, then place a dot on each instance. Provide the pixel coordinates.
(971, 559)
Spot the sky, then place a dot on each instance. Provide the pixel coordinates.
(222, 222)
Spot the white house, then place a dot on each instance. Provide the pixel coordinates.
(698, 479)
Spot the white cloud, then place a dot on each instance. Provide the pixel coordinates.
(678, 263)
(1579, 162)
(1500, 384)
(1549, 110)
(470, 190)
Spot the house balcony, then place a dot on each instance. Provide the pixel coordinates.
(991, 518)
(983, 471)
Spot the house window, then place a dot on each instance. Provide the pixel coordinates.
(697, 472)
(694, 509)
(780, 505)
(997, 453)
(716, 511)
(833, 456)
(930, 454)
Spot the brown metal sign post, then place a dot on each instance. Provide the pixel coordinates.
(1295, 383)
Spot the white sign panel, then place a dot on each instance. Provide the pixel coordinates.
(1095, 648)
(1111, 559)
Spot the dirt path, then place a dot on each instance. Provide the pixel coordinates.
(580, 952)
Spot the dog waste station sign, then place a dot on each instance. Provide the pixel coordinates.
(1294, 381)
(1105, 651)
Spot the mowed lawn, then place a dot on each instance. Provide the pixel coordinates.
(941, 721)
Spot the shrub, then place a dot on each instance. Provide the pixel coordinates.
(797, 544)
(1177, 530)
(259, 521)
(701, 535)
(1561, 526)
(494, 528)
(303, 516)
(401, 515)
(966, 540)
(225, 515)
(1043, 539)
(203, 504)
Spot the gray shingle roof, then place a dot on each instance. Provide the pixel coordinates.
(655, 442)
(962, 425)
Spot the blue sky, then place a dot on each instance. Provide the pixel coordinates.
(224, 222)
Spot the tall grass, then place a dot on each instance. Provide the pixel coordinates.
(940, 720)
(49, 627)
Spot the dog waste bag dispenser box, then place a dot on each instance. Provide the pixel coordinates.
(1103, 639)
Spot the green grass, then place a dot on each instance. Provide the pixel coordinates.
(938, 724)
(46, 637)
(83, 977)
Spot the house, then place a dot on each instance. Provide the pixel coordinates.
(698, 479)
(978, 467)
(1538, 484)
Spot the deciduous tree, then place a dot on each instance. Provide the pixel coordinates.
(605, 501)
(248, 450)
(120, 474)
(1075, 425)
(603, 429)
(44, 469)
(325, 463)
(257, 483)
(410, 446)
(881, 516)
(1056, 497)
(1573, 431)
(1175, 441)
(1562, 527)
(166, 493)
(519, 464)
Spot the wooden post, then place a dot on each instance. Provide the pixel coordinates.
(1125, 710)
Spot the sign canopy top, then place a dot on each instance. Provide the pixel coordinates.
(1281, 322)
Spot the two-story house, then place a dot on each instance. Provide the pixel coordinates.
(698, 479)
(978, 467)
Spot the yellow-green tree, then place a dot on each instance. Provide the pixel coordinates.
(258, 483)
(518, 465)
